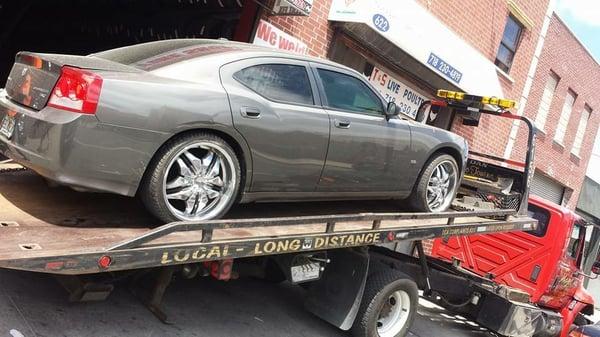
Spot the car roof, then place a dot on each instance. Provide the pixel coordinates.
(232, 50)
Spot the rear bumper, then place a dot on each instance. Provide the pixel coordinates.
(77, 150)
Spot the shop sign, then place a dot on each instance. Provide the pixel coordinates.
(444, 68)
(293, 7)
(381, 23)
(270, 36)
(411, 27)
(407, 99)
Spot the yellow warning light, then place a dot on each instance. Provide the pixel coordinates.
(507, 103)
(461, 96)
(442, 93)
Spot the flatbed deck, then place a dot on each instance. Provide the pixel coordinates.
(60, 231)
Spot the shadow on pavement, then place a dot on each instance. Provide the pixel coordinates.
(435, 321)
(36, 305)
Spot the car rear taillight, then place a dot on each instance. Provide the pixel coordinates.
(76, 90)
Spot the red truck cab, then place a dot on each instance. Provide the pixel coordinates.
(546, 262)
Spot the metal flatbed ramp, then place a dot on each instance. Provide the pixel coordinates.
(62, 232)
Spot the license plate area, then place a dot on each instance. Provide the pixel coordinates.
(7, 126)
(305, 272)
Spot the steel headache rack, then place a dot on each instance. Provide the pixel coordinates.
(492, 185)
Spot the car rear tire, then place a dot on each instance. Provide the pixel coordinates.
(388, 305)
(193, 177)
(437, 184)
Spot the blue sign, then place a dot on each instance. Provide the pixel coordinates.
(444, 68)
(381, 22)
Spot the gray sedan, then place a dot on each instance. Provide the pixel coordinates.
(194, 126)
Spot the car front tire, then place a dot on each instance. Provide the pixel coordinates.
(437, 184)
(193, 177)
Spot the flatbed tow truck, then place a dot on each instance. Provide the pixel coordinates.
(353, 282)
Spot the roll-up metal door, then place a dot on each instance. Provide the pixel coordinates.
(547, 188)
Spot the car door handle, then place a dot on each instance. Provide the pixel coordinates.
(342, 124)
(249, 112)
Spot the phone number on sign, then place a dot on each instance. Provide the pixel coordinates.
(444, 68)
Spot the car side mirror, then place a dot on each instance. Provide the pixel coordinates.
(391, 110)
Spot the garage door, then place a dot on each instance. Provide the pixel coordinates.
(86, 26)
(547, 188)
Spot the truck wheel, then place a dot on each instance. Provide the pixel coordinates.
(192, 177)
(388, 305)
(579, 321)
(436, 187)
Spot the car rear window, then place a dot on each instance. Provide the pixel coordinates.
(154, 55)
(278, 82)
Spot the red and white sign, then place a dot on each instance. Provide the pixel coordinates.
(406, 98)
(270, 36)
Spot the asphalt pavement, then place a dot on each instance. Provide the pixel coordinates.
(36, 305)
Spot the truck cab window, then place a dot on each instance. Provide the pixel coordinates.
(543, 218)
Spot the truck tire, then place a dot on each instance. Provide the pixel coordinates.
(579, 321)
(193, 177)
(388, 305)
(437, 185)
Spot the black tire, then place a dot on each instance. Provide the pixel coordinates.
(418, 198)
(151, 187)
(378, 289)
(580, 320)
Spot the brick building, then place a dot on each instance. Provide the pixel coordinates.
(517, 49)
(564, 103)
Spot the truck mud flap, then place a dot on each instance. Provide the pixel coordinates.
(336, 297)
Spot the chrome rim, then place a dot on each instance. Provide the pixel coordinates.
(441, 186)
(394, 314)
(199, 181)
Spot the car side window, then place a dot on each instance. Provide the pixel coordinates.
(346, 92)
(278, 82)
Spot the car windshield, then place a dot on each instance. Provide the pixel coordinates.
(155, 55)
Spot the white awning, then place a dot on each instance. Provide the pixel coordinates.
(412, 28)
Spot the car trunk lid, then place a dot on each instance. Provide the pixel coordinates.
(33, 75)
(31, 80)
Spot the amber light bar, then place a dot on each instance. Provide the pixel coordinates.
(461, 96)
